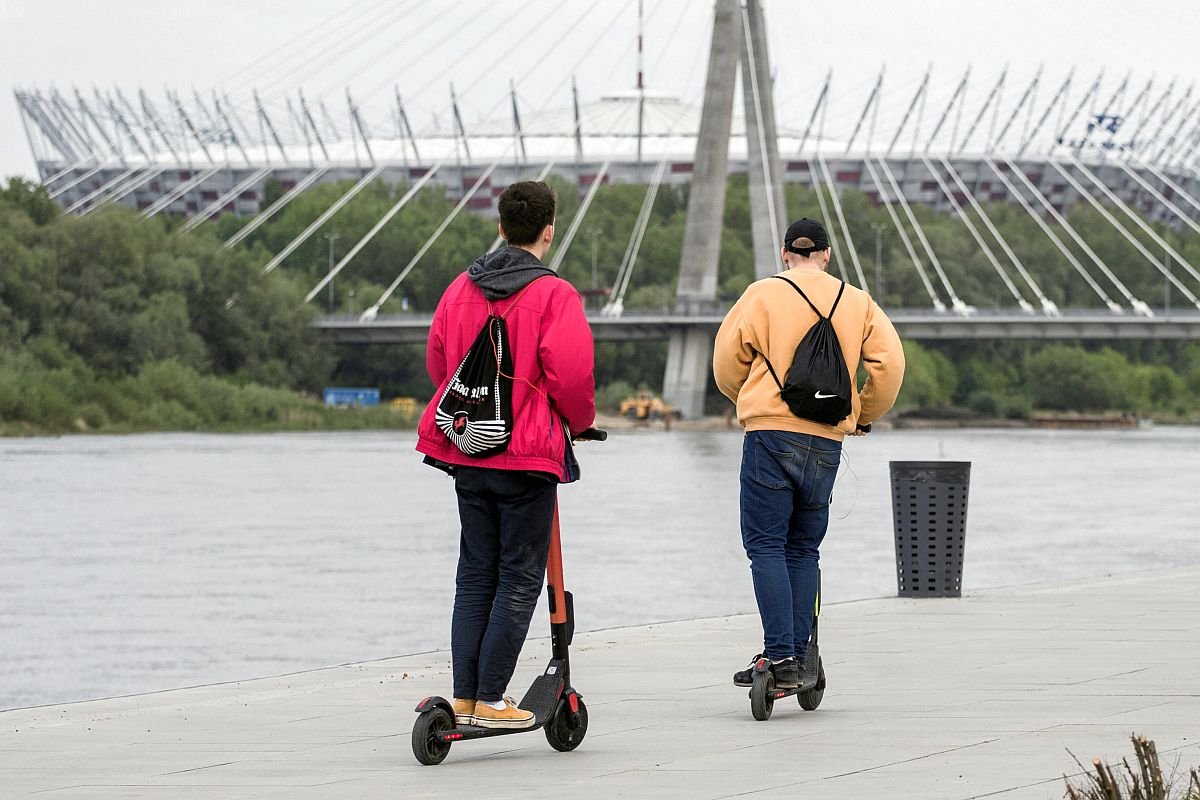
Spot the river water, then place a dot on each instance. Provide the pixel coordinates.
(138, 563)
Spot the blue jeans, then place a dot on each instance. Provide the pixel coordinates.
(506, 518)
(787, 482)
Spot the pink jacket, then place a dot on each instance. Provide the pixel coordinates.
(552, 366)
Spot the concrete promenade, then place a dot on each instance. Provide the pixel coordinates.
(957, 698)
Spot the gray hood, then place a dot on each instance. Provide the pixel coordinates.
(506, 271)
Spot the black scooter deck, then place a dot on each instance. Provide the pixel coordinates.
(543, 694)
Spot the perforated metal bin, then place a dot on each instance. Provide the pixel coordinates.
(929, 514)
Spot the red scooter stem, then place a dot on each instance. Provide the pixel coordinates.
(554, 574)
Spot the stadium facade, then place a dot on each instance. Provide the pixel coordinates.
(94, 150)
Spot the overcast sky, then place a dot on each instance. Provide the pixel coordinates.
(423, 45)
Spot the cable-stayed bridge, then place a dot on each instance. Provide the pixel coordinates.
(1041, 143)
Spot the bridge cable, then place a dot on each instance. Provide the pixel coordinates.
(987, 251)
(1165, 120)
(558, 41)
(1186, 151)
(264, 215)
(338, 50)
(116, 188)
(833, 239)
(1111, 142)
(1170, 143)
(325, 216)
(113, 193)
(1155, 110)
(579, 215)
(125, 182)
(1128, 236)
(576, 128)
(1174, 187)
(322, 31)
(182, 189)
(822, 107)
(490, 33)
(616, 305)
(211, 133)
(1137, 305)
(1048, 306)
(1119, 203)
(957, 305)
(328, 214)
(836, 199)
(912, 253)
(212, 208)
(393, 211)
(371, 313)
(383, 221)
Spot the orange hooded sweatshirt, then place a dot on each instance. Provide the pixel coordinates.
(770, 319)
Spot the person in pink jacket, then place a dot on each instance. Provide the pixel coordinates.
(506, 501)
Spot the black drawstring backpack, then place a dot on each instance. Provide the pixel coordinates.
(475, 409)
(818, 382)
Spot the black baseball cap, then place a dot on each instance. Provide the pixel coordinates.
(805, 228)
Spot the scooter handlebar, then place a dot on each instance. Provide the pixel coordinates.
(591, 435)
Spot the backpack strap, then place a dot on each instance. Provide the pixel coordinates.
(841, 289)
(772, 371)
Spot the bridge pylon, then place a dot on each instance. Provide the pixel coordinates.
(738, 39)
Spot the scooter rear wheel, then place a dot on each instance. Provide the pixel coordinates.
(761, 701)
(425, 744)
(809, 700)
(559, 733)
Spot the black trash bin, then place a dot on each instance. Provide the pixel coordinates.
(929, 514)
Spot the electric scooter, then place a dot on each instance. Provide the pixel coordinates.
(811, 690)
(557, 707)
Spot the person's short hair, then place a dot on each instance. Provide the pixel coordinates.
(526, 208)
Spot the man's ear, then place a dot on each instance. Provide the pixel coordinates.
(500, 230)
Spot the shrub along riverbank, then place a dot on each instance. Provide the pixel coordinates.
(36, 398)
(111, 323)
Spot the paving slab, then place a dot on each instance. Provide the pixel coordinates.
(987, 695)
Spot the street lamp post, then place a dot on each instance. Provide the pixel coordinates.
(1167, 283)
(878, 228)
(332, 237)
(595, 232)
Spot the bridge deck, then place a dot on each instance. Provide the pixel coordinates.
(911, 323)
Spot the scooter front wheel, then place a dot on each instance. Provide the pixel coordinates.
(426, 746)
(762, 701)
(565, 733)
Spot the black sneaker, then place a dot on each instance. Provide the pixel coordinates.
(787, 674)
(746, 677)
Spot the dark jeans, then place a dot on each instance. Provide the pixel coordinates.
(506, 518)
(787, 482)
